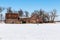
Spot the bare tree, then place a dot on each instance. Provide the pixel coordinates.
(53, 15)
(20, 12)
(43, 15)
(1, 9)
(41, 12)
(26, 13)
(9, 10)
(47, 17)
(35, 12)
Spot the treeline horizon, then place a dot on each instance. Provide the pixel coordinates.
(47, 16)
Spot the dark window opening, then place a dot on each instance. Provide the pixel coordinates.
(18, 18)
(40, 22)
(23, 21)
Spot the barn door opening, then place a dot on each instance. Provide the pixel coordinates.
(23, 21)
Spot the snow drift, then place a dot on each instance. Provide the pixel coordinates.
(30, 31)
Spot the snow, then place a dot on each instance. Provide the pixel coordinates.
(30, 31)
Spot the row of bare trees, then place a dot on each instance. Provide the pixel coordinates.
(47, 16)
(21, 12)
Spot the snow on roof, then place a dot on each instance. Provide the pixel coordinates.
(23, 16)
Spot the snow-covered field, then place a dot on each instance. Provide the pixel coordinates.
(30, 31)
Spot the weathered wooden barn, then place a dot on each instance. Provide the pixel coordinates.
(35, 18)
(14, 18)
